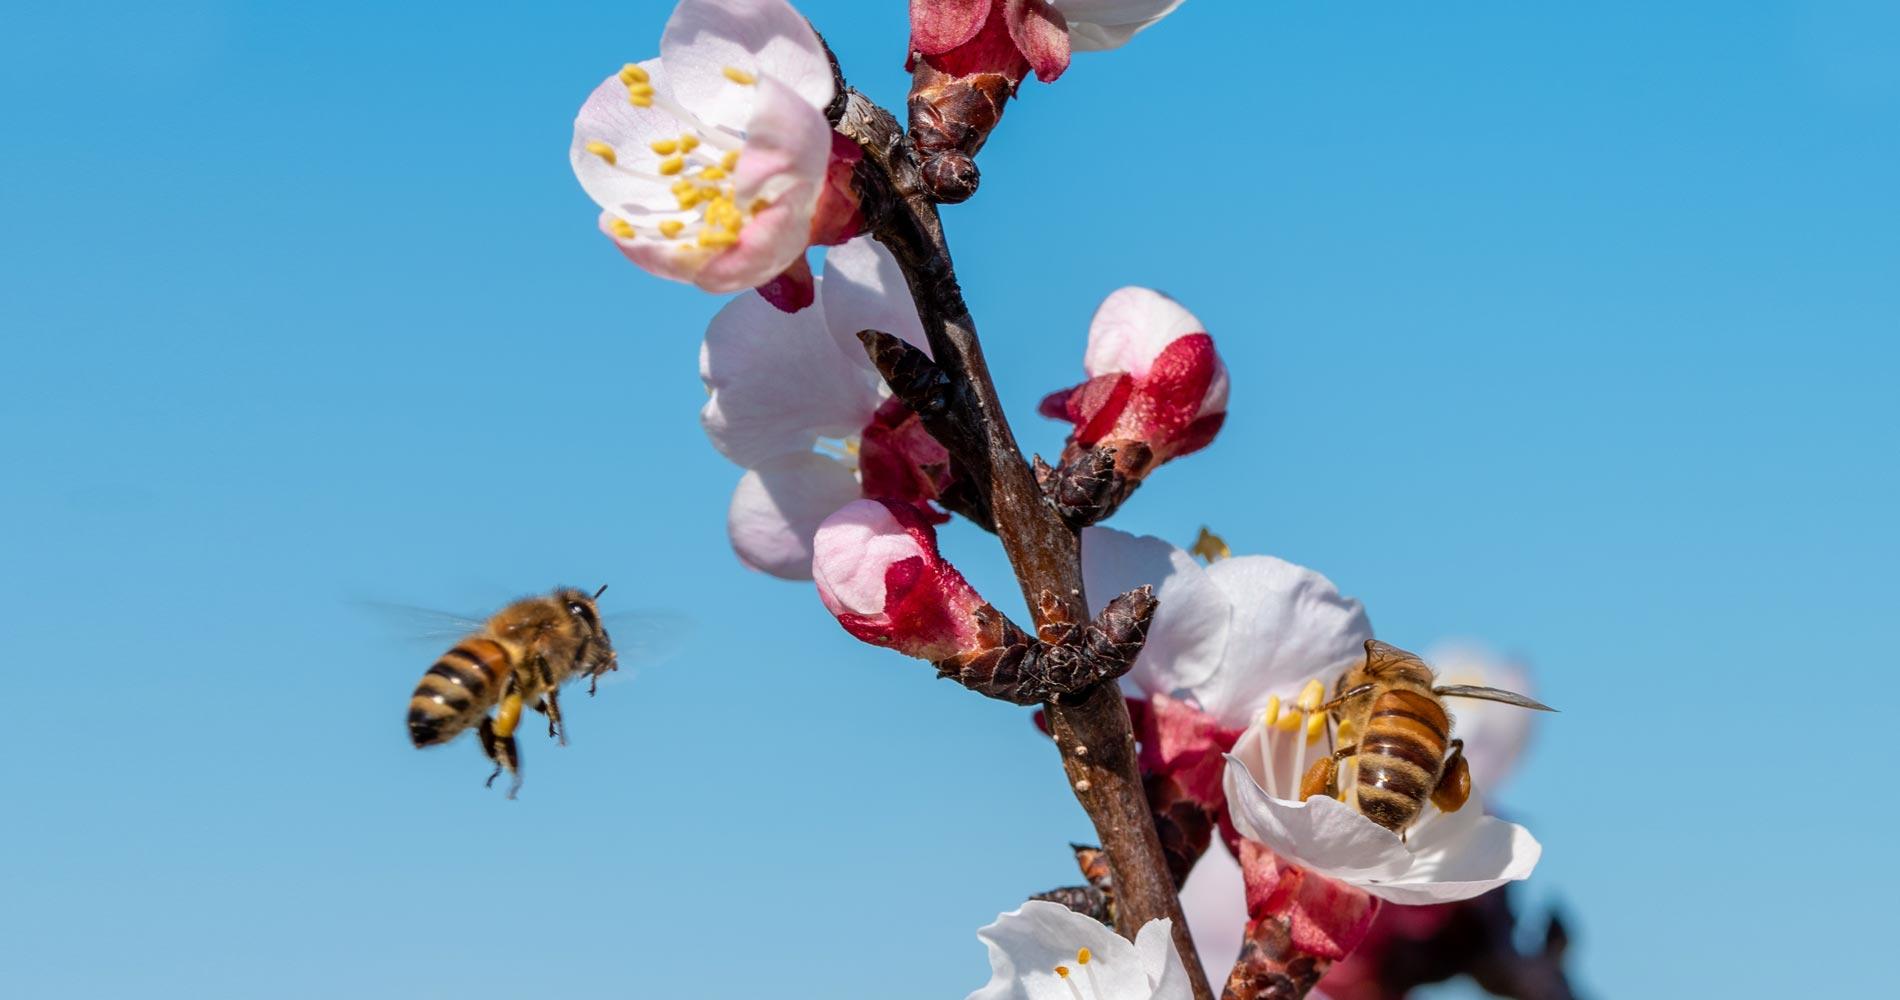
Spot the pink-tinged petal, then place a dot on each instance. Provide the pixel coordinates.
(879, 573)
(1215, 902)
(1494, 733)
(783, 162)
(1188, 637)
(793, 289)
(855, 549)
(839, 215)
(899, 460)
(1131, 328)
(1040, 34)
(1325, 918)
(766, 38)
(1187, 381)
(937, 26)
(866, 290)
(1095, 25)
(778, 506)
(607, 117)
(778, 382)
(990, 50)
(1289, 625)
(1185, 744)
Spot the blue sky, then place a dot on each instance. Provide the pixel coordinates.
(1571, 330)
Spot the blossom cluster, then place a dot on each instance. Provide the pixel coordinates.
(719, 163)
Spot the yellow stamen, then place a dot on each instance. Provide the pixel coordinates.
(639, 98)
(1312, 696)
(1288, 723)
(672, 165)
(631, 74)
(1210, 547)
(730, 160)
(671, 228)
(712, 174)
(603, 151)
(1063, 971)
(1315, 727)
(1082, 957)
(622, 229)
(717, 239)
(689, 142)
(1272, 714)
(739, 76)
(664, 147)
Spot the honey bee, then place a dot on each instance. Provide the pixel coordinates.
(521, 656)
(1394, 730)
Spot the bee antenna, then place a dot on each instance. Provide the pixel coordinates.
(602, 590)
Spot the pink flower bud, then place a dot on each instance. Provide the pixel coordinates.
(1155, 379)
(878, 570)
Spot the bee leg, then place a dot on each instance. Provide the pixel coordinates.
(498, 741)
(1454, 785)
(551, 704)
(1323, 777)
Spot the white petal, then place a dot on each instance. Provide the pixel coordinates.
(1189, 633)
(1215, 902)
(1107, 24)
(1161, 963)
(865, 290)
(1460, 855)
(1027, 944)
(1131, 327)
(1494, 733)
(761, 37)
(779, 382)
(1289, 625)
(1322, 833)
(778, 506)
(607, 117)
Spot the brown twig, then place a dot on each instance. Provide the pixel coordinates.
(1092, 730)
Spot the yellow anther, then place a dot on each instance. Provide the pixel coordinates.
(730, 160)
(690, 199)
(1272, 714)
(739, 76)
(1312, 696)
(1315, 727)
(671, 228)
(1289, 722)
(717, 239)
(1082, 957)
(1209, 546)
(689, 142)
(603, 151)
(664, 147)
(712, 174)
(622, 229)
(1062, 971)
(631, 74)
(639, 98)
(758, 205)
(672, 165)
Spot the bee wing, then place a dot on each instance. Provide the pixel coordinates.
(1490, 694)
(1382, 656)
(646, 636)
(423, 625)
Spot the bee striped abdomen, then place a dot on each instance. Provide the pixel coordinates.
(1400, 757)
(457, 690)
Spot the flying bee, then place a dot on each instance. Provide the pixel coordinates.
(1394, 730)
(521, 656)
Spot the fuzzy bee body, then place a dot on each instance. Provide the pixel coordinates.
(520, 657)
(1397, 736)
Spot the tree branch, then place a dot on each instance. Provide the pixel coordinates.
(1092, 730)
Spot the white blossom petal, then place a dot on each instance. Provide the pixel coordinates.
(866, 290)
(777, 507)
(1189, 634)
(1095, 25)
(1027, 944)
(1130, 329)
(1161, 963)
(766, 38)
(607, 117)
(1289, 625)
(1460, 855)
(1322, 834)
(779, 381)
(787, 148)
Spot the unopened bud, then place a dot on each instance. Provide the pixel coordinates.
(879, 572)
